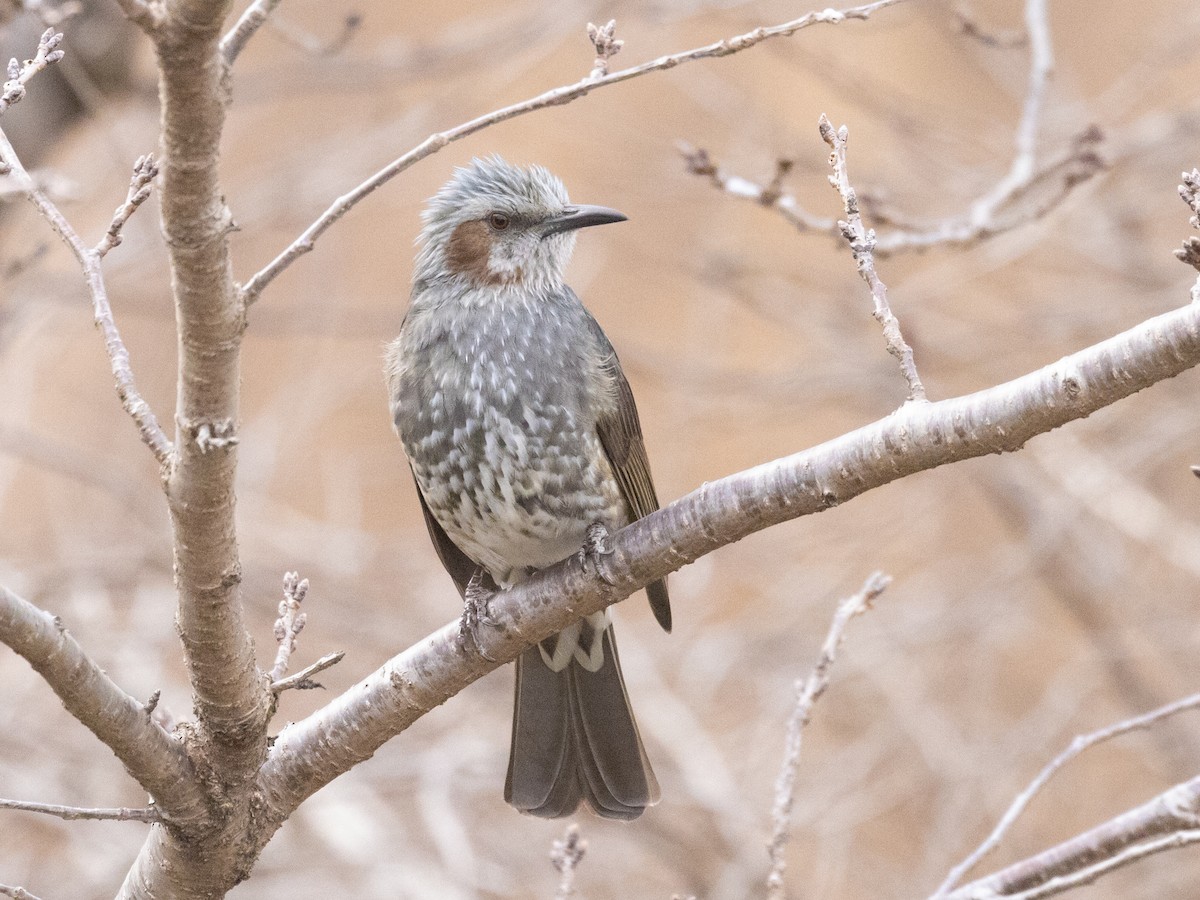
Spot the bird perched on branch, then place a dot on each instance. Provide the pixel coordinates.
(522, 434)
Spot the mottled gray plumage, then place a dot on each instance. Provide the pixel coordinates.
(522, 432)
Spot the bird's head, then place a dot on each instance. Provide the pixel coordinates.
(497, 224)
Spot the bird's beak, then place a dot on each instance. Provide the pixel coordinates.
(580, 216)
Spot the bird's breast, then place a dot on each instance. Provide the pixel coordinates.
(499, 425)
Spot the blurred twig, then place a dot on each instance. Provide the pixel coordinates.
(1076, 747)
(19, 893)
(566, 853)
(808, 691)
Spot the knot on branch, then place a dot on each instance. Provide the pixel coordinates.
(209, 434)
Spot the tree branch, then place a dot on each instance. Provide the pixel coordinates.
(252, 19)
(231, 694)
(808, 691)
(73, 813)
(916, 437)
(89, 260)
(1130, 836)
(862, 246)
(156, 760)
(145, 170)
(555, 97)
(1077, 746)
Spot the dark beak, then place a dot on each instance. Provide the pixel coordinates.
(580, 216)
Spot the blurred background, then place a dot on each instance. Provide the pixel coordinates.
(1036, 596)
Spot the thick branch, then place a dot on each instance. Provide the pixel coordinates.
(230, 693)
(155, 759)
(917, 437)
(555, 97)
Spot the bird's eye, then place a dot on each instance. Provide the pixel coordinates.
(499, 221)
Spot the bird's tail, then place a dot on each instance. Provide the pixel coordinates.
(574, 736)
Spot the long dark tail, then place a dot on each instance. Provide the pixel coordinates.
(574, 737)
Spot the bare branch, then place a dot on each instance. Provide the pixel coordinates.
(862, 245)
(1076, 747)
(772, 196)
(17, 892)
(252, 19)
(1024, 194)
(1132, 835)
(89, 260)
(290, 622)
(566, 854)
(1024, 164)
(145, 170)
(808, 691)
(1063, 883)
(20, 73)
(155, 759)
(916, 437)
(554, 97)
(72, 813)
(302, 680)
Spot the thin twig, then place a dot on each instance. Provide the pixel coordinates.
(771, 196)
(89, 260)
(72, 813)
(1027, 202)
(1062, 883)
(1005, 40)
(1077, 746)
(20, 73)
(1026, 193)
(302, 680)
(554, 97)
(808, 691)
(252, 19)
(145, 170)
(290, 622)
(566, 854)
(862, 245)
(19, 893)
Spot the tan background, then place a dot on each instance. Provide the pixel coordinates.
(1035, 596)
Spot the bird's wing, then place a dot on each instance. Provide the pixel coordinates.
(458, 564)
(621, 436)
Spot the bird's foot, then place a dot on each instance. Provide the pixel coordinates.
(476, 612)
(594, 553)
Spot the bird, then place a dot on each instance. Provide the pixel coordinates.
(522, 435)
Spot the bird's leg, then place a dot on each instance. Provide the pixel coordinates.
(476, 612)
(595, 550)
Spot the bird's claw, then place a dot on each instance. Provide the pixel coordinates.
(595, 552)
(476, 612)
